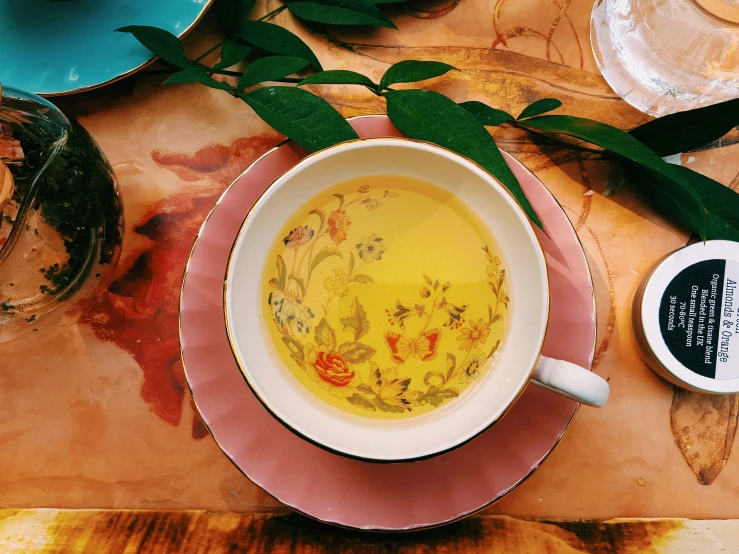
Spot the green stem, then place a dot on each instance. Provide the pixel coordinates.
(209, 51)
(237, 74)
(285, 80)
(225, 72)
(292, 271)
(497, 305)
(555, 138)
(328, 301)
(273, 12)
(362, 197)
(430, 315)
(219, 72)
(309, 253)
(353, 271)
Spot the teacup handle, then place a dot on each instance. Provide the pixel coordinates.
(572, 381)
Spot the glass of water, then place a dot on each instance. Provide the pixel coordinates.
(665, 56)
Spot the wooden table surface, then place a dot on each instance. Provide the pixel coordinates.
(100, 418)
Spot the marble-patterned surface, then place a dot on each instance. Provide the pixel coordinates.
(101, 417)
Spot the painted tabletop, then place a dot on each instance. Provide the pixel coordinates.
(101, 417)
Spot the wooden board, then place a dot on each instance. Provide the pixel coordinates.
(199, 532)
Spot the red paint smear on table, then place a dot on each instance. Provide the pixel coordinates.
(139, 312)
(219, 163)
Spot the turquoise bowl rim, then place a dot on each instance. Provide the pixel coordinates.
(206, 5)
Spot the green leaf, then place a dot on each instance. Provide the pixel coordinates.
(411, 71)
(351, 262)
(321, 215)
(539, 107)
(362, 278)
(722, 202)
(494, 349)
(232, 53)
(301, 116)
(196, 75)
(298, 281)
(437, 397)
(494, 288)
(361, 401)
(232, 13)
(190, 75)
(356, 352)
(434, 400)
(684, 131)
(281, 280)
(385, 407)
(338, 77)
(340, 12)
(451, 365)
(278, 40)
(490, 117)
(325, 335)
(160, 42)
(430, 116)
(324, 253)
(294, 346)
(357, 321)
(270, 69)
(626, 146)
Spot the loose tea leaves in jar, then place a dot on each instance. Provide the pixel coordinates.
(61, 223)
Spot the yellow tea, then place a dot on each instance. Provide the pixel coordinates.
(385, 297)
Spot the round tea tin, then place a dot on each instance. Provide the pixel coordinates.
(686, 317)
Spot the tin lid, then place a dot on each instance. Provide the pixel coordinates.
(686, 317)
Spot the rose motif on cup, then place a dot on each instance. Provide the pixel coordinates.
(333, 368)
(329, 370)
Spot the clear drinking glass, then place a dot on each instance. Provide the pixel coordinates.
(665, 56)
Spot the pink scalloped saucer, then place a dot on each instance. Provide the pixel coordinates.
(349, 492)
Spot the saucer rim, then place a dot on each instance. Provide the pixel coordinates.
(378, 529)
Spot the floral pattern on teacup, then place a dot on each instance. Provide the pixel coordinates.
(351, 370)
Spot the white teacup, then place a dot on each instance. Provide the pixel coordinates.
(470, 414)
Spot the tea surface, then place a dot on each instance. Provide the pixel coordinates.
(385, 297)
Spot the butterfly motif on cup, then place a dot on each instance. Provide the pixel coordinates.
(423, 346)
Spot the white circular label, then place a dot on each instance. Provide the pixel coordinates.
(699, 318)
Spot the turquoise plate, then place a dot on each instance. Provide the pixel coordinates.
(54, 47)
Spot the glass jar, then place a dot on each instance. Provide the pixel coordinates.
(665, 56)
(61, 220)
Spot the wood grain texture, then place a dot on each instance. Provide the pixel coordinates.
(279, 532)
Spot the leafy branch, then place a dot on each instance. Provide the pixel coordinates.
(274, 54)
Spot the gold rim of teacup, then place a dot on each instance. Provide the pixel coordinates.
(242, 369)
